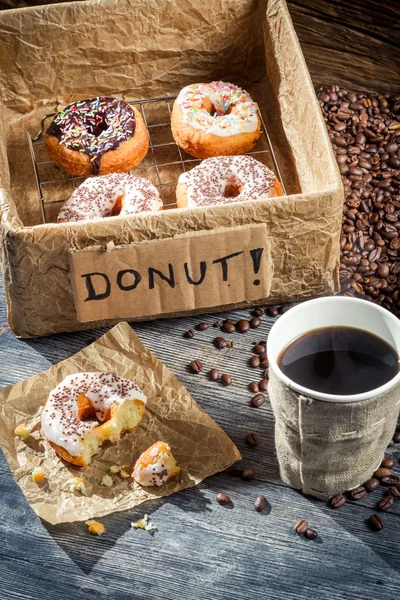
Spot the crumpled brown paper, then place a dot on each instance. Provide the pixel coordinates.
(199, 445)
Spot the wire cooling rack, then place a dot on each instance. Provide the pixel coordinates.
(164, 162)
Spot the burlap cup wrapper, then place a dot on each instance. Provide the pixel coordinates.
(325, 448)
(199, 445)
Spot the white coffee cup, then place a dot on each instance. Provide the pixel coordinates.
(332, 311)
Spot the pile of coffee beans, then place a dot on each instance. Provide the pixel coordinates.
(365, 133)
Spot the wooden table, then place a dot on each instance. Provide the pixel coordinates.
(201, 551)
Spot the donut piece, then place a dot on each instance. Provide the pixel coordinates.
(215, 119)
(155, 466)
(226, 179)
(86, 409)
(110, 195)
(96, 137)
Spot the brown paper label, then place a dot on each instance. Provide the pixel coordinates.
(191, 271)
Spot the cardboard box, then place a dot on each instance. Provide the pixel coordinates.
(73, 276)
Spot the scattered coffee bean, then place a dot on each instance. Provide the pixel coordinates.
(243, 326)
(257, 400)
(231, 321)
(252, 439)
(215, 375)
(390, 444)
(393, 491)
(253, 387)
(300, 527)
(311, 534)
(264, 364)
(226, 379)
(258, 311)
(271, 311)
(338, 501)
(196, 366)
(396, 437)
(235, 470)
(255, 322)
(382, 472)
(375, 522)
(223, 499)
(263, 385)
(259, 349)
(263, 356)
(371, 485)
(218, 323)
(254, 362)
(385, 503)
(358, 493)
(248, 474)
(263, 343)
(228, 327)
(390, 480)
(260, 503)
(220, 343)
(202, 326)
(387, 463)
(189, 333)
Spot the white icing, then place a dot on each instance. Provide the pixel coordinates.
(194, 101)
(206, 183)
(60, 422)
(96, 196)
(155, 474)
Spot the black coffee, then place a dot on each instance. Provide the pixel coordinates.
(339, 360)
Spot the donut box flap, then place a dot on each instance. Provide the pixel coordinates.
(54, 55)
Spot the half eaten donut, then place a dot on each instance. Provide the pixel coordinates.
(86, 409)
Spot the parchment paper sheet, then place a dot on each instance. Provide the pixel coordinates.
(199, 445)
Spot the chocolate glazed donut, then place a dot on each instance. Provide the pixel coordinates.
(97, 137)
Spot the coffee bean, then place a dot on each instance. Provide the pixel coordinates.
(226, 379)
(215, 375)
(263, 385)
(358, 493)
(260, 503)
(220, 343)
(271, 311)
(255, 322)
(253, 387)
(243, 326)
(223, 499)
(202, 326)
(259, 349)
(382, 472)
(189, 333)
(375, 522)
(311, 534)
(248, 474)
(263, 342)
(396, 437)
(385, 503)
(228, 327)
(196, 366)
(252, 439)
(254, 362)
(300, 527)
(390, 480)
(393, 491)
(218, 323)
(257, 400)
(371, 485)
(235, 470)
(264, 364)
(338, 501)
(263, 357)
(258, 311)
(387, 463)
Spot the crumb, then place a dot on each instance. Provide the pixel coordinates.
(124, 474)
(145, 524)
(107, 481)
(76, 484)
(22, 431)
(121, 470)
(38, 474)
(95, 527)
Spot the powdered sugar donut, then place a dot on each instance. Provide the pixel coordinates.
(110, 195)
(226, 179)
(215, 119)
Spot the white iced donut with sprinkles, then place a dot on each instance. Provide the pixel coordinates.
(110, 195)
(215, 119)
(86, 409)
(226, 179)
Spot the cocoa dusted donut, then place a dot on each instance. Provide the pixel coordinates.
(96, 137)
(215, 119)
(110, 195)
(226, 179)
